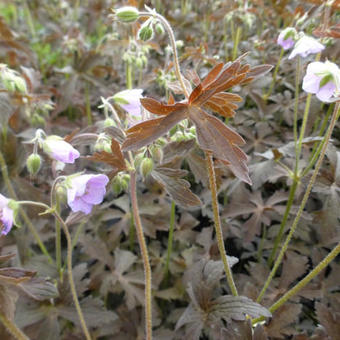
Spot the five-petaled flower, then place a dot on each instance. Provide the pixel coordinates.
(287, 37)
(85, 191)
(60, 150)
(322, 79)
(6, 215)
(305, 46)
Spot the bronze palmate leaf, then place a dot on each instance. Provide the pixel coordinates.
(213, 136)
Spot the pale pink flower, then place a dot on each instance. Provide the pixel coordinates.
(322, 79)
(60, 150)
(287, 37)
(85, 191)
(6, 215)
(305, 46)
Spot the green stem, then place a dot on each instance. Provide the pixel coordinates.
(145, 255)
(69, 260)
(276, 70)
(296, 177)
(12, 328)
(173, 46)
(170, 239)
(278, 238)
(128, 72)
(236, 41)
(58, 238)
(296, 102)
(218, 228)
(131, 233)
(88, 105)
(303, 203)
(293, 291)
(70, 275)
(302, 131)
(22, 213)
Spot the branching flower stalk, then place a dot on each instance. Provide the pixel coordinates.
(22, 213)
(304, 201)
(12, 328)
(69, 261)
(209, 162)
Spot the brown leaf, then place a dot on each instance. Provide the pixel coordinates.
(146, 132)
(15, 275)
(279, 326)
(217, 138)
(330, 319)
(114, 159)
(158, 108)
(176, 187)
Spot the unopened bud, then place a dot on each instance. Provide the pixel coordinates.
(109, 122)
(33, 163)
(146, 167)
(145, 33)
(139, 63)
(157, 154)
(159, 28)
(127, 14)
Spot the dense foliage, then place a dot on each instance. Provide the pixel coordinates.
(105, 140)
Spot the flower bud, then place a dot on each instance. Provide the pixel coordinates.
(146, 167)
(109, 122)
(127, 14)
(159, 28)
(139, 63)
(33, 163)
(146, 32)
(157, 154)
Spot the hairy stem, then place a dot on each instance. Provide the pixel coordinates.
(170, 239)
(145, 255)
(173, 46)
(22, 213)
(217, 220)
(51, 210)
(278, 238)
(293, 291)
(12, 328)
(70, 275)
(303, 203)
